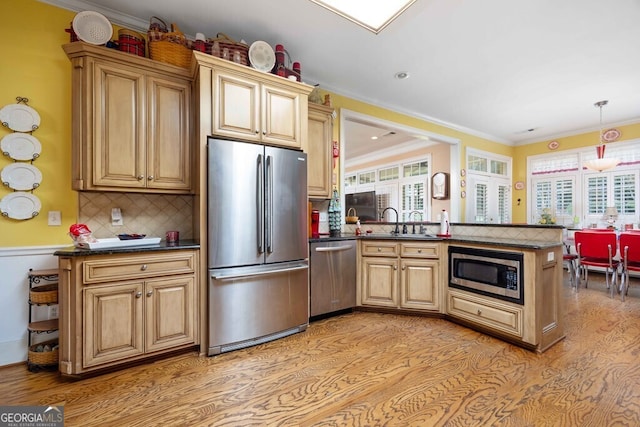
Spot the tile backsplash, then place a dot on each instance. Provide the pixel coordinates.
(150, 214)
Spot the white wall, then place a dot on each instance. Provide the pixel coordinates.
(14, 296)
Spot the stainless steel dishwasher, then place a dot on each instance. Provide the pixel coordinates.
(332, 272)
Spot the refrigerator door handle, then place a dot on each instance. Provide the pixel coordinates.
(260, 273)
(260, 204)
(269, 194)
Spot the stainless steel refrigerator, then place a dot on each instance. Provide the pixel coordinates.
(257, 244)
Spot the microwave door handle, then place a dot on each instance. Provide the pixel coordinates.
(260, 203)
(269, 193)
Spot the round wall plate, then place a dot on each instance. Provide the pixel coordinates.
(519, 185)
(553, 145)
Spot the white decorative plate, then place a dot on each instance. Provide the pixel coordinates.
(20, 205)
(20, 146)
(20, 117)
(261, 56)
(92, 27)
(21, 176)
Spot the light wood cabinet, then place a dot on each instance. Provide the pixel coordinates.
(249, 107)
(131, 122)
(400, 275)
(320, 152)
(488, 312)
(538, 323)
(125, 307)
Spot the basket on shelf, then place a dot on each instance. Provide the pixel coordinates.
(351, 219)
(44, 357)
(131, 42)
(167, 46)
(226, 42)
(44, 294)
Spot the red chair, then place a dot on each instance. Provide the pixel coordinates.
(597, 250)
(630, 254)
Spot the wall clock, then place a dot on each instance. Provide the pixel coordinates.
(440, 185)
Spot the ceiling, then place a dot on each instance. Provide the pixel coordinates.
(510, 71)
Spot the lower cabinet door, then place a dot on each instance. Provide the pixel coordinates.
(170, 309)
(380, 281)
(419, 284)
(113, 326)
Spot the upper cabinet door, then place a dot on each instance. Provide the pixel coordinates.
(319, 151)
(248, 109)
(118, 127)
(168, 133)
(281, 116)
(236, 107)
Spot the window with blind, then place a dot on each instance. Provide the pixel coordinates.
(556, 197)
(578, 196)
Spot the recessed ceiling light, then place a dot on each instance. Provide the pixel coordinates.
(402, 75)
(373, 15)
(374, 137)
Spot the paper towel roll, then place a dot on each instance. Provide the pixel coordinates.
(444, 222)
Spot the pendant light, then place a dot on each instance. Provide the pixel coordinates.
(601, 163)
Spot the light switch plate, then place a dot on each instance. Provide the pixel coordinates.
(116, 217)
(550, 256)
(55, 218)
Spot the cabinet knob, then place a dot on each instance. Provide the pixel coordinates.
(395, 267)
(143, 267)
(264, 132)
(140, 177)
(138, 294)
(404, 267)
(257, 132)
(379, 249)
(479, 312)
(419, 251)
(150, 178)
(149, 293)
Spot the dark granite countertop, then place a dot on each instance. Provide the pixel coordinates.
(479, 240)
(162, 246)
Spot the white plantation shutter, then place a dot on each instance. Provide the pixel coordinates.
(624, 193)
(597, 194)
(481, 194)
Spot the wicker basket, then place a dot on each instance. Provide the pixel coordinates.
(226, 42)
(351, 219)
(45, 294)
(44, 357)
(168, 46)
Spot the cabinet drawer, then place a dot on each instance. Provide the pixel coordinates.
(379, 248)
(420, 250)
(486, 312)
(133, 267)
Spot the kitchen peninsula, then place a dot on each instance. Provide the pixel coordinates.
(411, 273)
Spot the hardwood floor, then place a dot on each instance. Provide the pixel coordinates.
(368, 369)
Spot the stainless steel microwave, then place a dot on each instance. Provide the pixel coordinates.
(492, 273)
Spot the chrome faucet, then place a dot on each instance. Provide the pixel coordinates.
(413, 230)
(397, 230)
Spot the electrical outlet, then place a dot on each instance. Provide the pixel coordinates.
(55, 218)
(53, 311)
